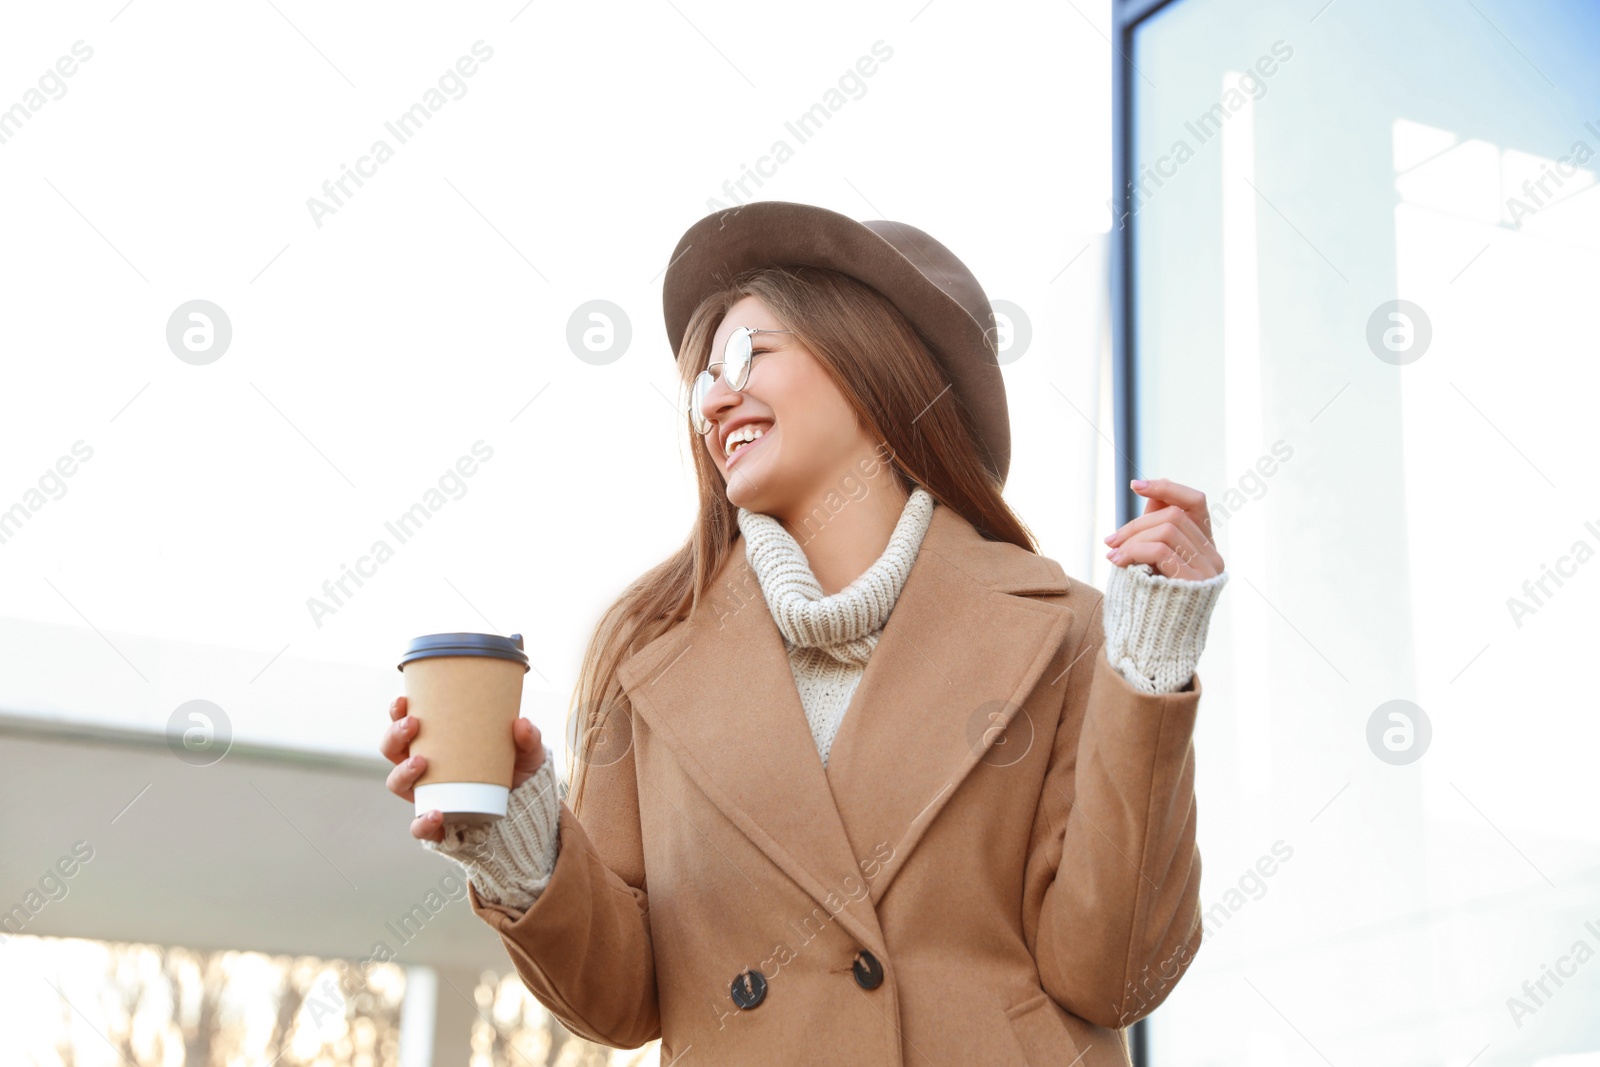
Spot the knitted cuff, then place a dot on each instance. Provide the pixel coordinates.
(511, 859)
(1156, 626)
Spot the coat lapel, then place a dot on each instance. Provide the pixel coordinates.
(960, 651)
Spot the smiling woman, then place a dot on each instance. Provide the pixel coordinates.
(915, 707)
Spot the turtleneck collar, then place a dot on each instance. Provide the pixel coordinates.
(846, 624)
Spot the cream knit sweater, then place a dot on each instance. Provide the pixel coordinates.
(1155, 631)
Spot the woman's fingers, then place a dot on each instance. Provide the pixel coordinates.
(1161, 493)
(1170, 551)
(1167, 561)
(429, 827)
(405, 775)
(1158, 491)
(396, 741)
(396, 748)
(530, 751)
(1172, 514)
(1180, 524)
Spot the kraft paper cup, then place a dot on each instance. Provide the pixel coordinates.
(465, 691)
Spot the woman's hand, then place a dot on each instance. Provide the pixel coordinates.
(1173, 535)
(396, 748)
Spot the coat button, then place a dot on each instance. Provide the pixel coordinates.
(749, 989)
(868, 971)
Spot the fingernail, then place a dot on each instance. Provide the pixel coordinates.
(1109, 536)
(1139, 483)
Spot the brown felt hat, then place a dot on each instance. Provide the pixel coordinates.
(920, 276)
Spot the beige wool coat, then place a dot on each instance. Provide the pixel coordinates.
(998, 865)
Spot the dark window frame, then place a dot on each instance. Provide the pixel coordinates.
(1126, 15)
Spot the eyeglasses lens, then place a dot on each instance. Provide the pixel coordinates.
(734, 368)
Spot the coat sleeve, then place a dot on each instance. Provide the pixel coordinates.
(583, 948)
(1113, 872)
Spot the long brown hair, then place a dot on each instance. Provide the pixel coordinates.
(900, 396)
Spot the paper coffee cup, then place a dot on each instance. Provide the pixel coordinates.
(465, 691)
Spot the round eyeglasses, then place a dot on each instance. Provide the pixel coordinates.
(734, 369)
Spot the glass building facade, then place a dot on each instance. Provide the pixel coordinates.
(1356, 266)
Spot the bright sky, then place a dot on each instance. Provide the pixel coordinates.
(430, 311)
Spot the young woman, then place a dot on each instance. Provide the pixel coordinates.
(860, 776)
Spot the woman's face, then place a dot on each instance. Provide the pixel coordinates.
(810, 439)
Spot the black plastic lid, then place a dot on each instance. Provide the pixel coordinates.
(492, 645)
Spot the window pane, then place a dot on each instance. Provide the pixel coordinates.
(1405, 497)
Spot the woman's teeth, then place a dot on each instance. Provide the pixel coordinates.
(742, 436)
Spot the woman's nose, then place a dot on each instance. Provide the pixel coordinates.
(718, 399)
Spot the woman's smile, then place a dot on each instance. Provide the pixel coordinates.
(740, 450)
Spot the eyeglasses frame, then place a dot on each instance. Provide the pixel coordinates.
(701, 424)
